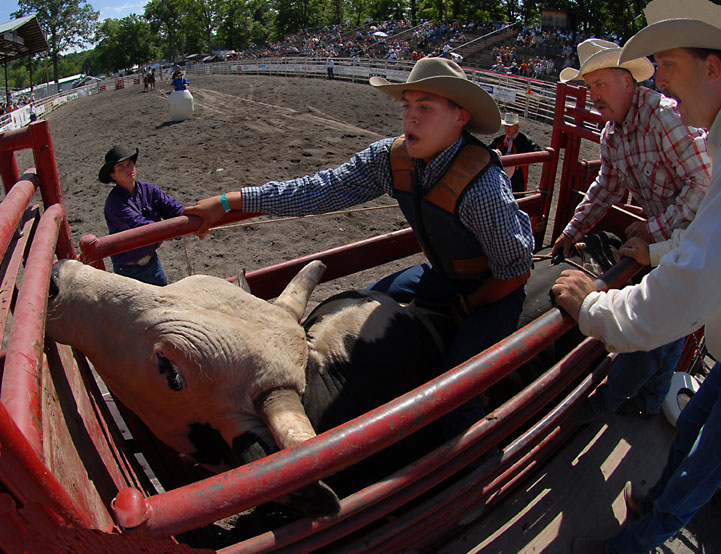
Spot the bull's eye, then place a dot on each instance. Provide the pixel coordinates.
(53, 289)
(175, 379)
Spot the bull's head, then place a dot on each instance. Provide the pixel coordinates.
(198, 358)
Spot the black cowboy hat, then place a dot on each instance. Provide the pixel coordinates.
(115, 155)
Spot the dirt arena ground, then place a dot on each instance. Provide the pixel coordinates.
(247, 130)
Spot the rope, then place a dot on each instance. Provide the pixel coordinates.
(295, 218)
(339, 212)
(538, 257)
(188, 267)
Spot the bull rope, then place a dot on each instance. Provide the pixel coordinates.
(539, 257)
(295, 218)
(338, 212)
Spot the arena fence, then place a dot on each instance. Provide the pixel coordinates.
(532, 98)
(20, 117)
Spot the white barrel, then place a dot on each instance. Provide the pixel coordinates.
(181, 105)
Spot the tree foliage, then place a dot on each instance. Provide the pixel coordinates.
(123, 43)
(66, 23)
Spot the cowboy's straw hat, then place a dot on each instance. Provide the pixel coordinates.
(445, 78)
(674, 24)
(595, 54)
(510, 119)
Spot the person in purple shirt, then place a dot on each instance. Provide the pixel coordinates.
(132, 204)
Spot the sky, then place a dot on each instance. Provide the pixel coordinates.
(107, 8)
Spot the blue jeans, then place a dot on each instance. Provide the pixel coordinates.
(690, 479)
(645, 376)
(482, 328)
(151, 273)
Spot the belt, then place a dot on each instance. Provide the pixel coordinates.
(145, 260)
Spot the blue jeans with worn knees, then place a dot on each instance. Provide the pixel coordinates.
(691, 477)
(151, 273)
(481, 329)
(644, 375)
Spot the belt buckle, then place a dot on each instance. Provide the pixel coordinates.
(145, 260)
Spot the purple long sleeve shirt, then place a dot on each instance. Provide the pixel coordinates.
(148, 204)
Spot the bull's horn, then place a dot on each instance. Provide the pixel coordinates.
(295, 296)
(285, 416)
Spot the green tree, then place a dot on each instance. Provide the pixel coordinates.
(66, 23)
(205, 17)
(167, 17)
(292, 15)
(243, 21)
(124, 43)
(233, 24)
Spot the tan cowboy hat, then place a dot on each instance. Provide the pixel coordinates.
(675, 24)
(445, 78)
(510, 119)
(595, 54)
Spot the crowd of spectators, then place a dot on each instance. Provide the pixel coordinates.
(538, 53)
(392, 40)
(534, 52)
(15, 103)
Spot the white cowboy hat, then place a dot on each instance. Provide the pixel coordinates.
(595, 54)
(675, 24)
(510, 119)
(446, 78)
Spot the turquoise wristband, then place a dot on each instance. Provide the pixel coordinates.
(224, 203)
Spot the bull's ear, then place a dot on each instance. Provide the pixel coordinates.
(242, 282)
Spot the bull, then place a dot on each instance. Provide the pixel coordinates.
(226, 378)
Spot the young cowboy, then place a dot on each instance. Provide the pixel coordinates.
(132, 203)
(681, 294)
(478, 242)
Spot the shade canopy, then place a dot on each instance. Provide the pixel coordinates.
(21, 37)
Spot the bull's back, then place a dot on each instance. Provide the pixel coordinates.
(365, 350)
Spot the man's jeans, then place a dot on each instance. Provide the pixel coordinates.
(690, 479)
(151, 273)
(645, 376)
(482, 328)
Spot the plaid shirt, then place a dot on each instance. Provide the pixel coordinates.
(488, 208)
(655, 157)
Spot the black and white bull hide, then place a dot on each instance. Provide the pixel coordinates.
(218, 374)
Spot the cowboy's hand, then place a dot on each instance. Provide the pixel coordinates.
(563, 244)
(570, 290)
(636, 248)
(638, 229)
(210, 209)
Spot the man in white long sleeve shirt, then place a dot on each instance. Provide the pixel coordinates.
(679, 296)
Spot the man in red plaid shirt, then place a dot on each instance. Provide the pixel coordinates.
(645, 150)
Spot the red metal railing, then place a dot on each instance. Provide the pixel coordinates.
(250, 485)
(36, 137)
(205, 501)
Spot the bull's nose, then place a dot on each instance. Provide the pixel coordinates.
(53, 289)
